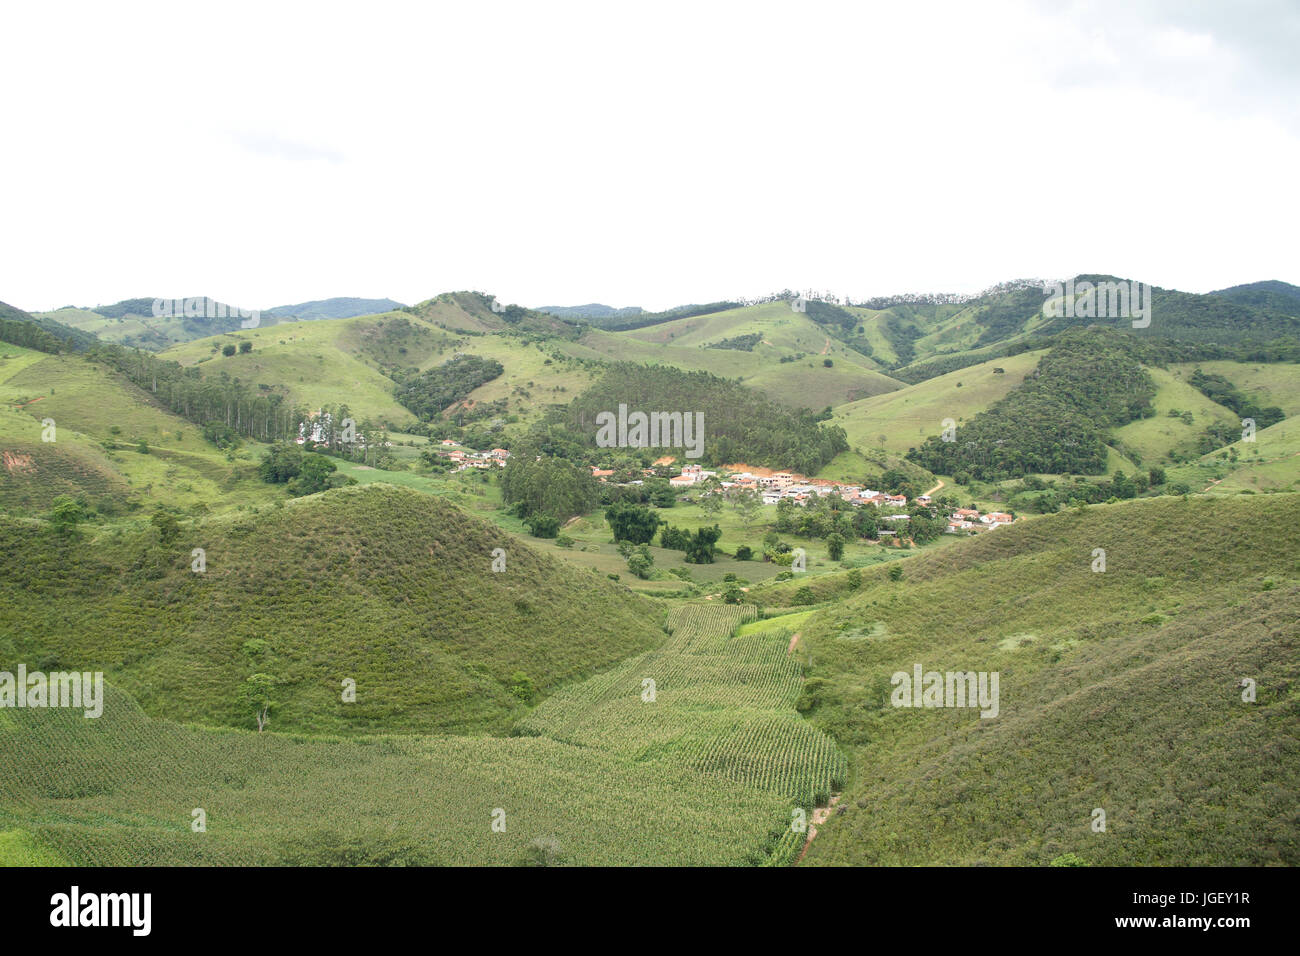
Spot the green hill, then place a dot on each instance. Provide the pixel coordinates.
(1119, 690)
(788, 361)
(384, 586)
(112, 446)
(908, 416)
(711, 768)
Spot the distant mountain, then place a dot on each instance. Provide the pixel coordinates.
(336, 308)
(1273, 294)
(593, 310)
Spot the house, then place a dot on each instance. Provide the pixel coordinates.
(923, 500)
(447, 441)
(601, 473)
(896, 518)
(995, 518)
(681, 481)
(499, 453)
(966, 513)
(898, 501)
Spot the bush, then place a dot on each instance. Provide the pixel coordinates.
(804, 596)
(228, 350)
(543, 525)
(744, 553)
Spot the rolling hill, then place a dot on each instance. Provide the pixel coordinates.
(385, 586)
(1132, 706)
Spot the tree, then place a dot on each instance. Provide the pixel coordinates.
(896, 573)
(804, 596)
(245, 347)
(733, 594)
(641, 562)
(699, 549)
(835, 546)
(168, 527)
(744, 553)
(749, 504)
(65, 513)
(314, 476)
(258, 691)
(1157, 476)
(542, 525)
(711, 502)
(228, 350)
(282, 463)
(634, 523)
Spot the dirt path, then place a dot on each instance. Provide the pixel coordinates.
(934, 489)
(819, 816)
(827, 347)
(793, 641)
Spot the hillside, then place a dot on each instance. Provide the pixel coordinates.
(908, 416)
(786, 357)
(358, 363)
(112, 447)
(1132, 707)
(386, 586)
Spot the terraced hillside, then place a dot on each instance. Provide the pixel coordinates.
(718, 780)
(708, 699)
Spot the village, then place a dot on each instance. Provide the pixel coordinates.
(789, 486)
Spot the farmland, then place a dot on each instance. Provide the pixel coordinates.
(713, 788)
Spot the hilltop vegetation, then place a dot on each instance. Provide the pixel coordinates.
(1056, 421)
(385, 586)
(740, 424)
(1133, 707)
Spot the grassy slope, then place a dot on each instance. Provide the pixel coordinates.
(911, 414)
(1276, 383)
(87, 457)
(314, 363)
(1118, 690)
(385, 586)
(1270, 463)
(342, 361)
(1154, 438)
(803, 383)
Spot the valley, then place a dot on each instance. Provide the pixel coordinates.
(386, 587)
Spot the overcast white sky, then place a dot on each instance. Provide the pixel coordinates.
(563, 153)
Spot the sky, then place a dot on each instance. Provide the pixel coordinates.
(648, 155)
